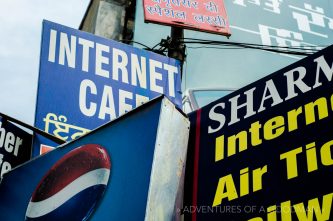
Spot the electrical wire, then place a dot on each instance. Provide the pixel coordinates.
(212, 47)
(131, 41)
(294, 50)
(165, 44)
(195, 40)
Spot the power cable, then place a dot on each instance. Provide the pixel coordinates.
(272, 48)
(165, 44)
(131, 41)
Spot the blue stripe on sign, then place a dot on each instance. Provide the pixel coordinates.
(78, 208)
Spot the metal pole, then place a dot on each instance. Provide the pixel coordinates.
(34, 129)
(177, 49)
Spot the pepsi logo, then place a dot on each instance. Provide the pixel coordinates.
(72, 188)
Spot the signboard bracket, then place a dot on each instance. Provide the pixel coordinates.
(34, 129)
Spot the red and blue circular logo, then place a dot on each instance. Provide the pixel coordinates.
(74, 185)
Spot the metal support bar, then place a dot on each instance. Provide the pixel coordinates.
(34, 129)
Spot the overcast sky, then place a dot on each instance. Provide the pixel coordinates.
(20, 35)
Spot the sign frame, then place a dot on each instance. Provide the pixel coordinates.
(205, 15)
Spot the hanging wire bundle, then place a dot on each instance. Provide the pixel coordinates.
(194, 43)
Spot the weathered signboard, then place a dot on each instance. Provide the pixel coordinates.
(86, 81)
(264, 152)
(203, 15)
(15, 146)
(128, 169)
